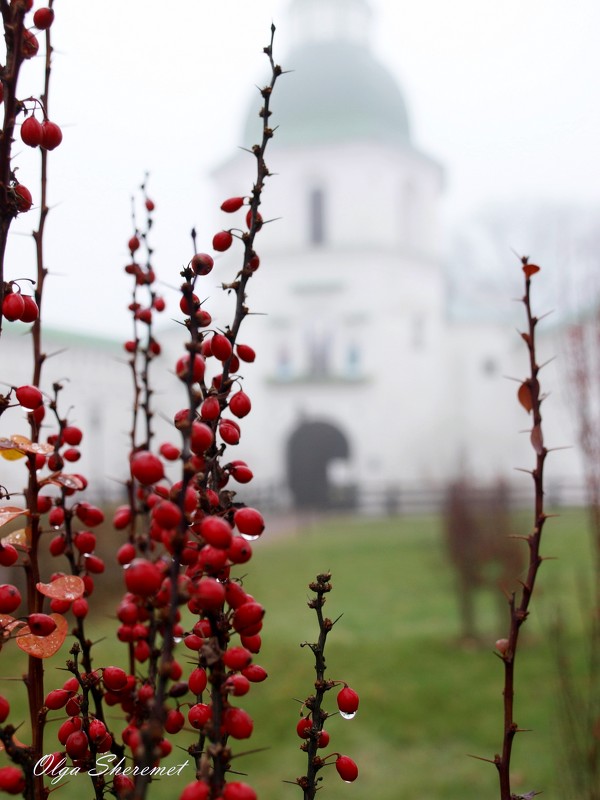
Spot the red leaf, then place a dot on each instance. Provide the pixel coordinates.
(524, 396)
(530, 269)
(537, 440)
(20, 538)
(44, 646)
(68, 587)
(8, 513)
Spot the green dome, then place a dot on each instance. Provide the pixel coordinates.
(335, 92)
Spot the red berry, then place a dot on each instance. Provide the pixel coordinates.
(67, 728)
(29, 44)
(133, 244)
(122, 517)
(238, 723)
(146, 467)
(31, 311)
(73, 436)
(199, 715)
(237, 658)
(239, 551)
(236, 790)
(239, 404)
(255, 673)
(85, 541)
(202, 263)
(240, 472)
(169, 451)
(247, 617)
(347, 769)
(77, 745)
(246, 353)
(97, 730)
(185, 370)
(166, 514)
(43, 18)
(232, 204)
(89, 514)
(174, 721)
(41, 624)
(56, 699)
(94, 564)
(220, 347)
(195, 791)
(237, 684)
(197, 681)
(32, 132)
(23, 197)
(304, 727)
(12, 780)
(10, 598)
(249, 522)
(51, 135)
(216, 531)
(4, 708)
(210, 408)
(323, 740)
(143, 577)
(222, 241)
(8, 555)
(13, 306)
(115, 678)
(229, 431)
(29, 396)
(258, 220)
(210, 594)
(201, 438)
(347, 700)
(80, 608)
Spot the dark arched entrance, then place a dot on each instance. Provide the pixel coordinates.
(310, 450)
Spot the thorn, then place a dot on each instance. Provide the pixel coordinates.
(480, 758)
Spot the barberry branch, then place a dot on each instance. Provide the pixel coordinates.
(531, 399)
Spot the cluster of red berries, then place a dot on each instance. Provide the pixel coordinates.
(17, 306)
(194, 524)
(311, 727)
(222, 240)
(45, 134)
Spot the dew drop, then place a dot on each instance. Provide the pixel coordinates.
(348, 715)
(249, 538)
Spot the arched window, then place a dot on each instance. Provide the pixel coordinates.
(316, 217)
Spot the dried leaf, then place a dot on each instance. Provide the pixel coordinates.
(11, 455)
(537, 440)
(44, 646)
(7, 623)
(17, 446)
(68, 587)
(530, 269)
(66, 481)
(15, 741)
(20, 538)
(8, 513)
(524, 396)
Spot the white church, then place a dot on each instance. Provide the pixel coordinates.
(367, 380)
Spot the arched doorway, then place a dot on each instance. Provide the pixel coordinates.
(311, 449)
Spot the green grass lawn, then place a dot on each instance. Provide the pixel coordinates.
(427, 701)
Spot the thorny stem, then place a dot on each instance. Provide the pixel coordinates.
(34, 680)
(309, 781)
(13, 20)
(519, 606)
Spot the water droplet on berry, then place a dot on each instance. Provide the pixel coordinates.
(248, 537)
(348, 715)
